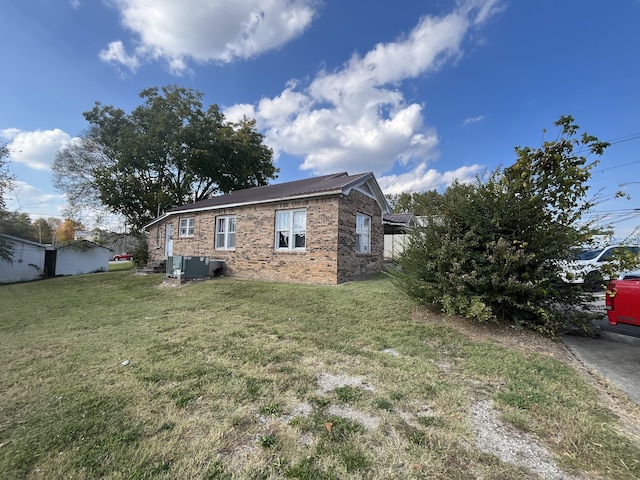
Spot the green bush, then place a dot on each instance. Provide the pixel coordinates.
(492, 250)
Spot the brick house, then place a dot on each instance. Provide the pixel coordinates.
(323, 230)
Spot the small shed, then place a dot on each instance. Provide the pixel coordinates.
(28, 261)
(396, 228)
(76, 258)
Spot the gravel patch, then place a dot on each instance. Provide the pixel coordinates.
(328, 382)
(511, 445)
(369, 422)
(391, 351)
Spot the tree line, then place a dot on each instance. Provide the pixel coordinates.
(41, 230)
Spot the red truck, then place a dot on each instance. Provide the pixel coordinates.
(623, 302)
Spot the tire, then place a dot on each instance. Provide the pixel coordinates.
(593, 281)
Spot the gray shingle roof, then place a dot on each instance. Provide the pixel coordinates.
(328, 184)
(399, 218)
(334, 184)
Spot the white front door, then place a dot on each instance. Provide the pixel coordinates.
(168, 240)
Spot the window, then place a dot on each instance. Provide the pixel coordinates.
(187, 227)
(226, 233)
(363, 233)
(291, 229)
(610, 252)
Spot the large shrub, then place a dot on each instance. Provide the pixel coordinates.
(492, 250)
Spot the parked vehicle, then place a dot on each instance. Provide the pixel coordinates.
(628, 275)
(623, 301)
(586, 267)
(122, 256)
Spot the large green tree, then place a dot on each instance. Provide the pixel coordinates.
(494, 249)
(18, 224)
(74, 171)
(418, 203)
(167, 152)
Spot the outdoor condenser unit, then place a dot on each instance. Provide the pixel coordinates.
(183, 267)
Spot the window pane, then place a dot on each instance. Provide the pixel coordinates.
(299, 240)
(283, 239)
(220, 240)
(299, 221)
(231, 240)
(220, 225)
(363, 233)
(282, 221)
(232, 224)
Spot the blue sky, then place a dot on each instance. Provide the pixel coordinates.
(419, 92)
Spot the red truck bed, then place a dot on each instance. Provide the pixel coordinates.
(623, 301)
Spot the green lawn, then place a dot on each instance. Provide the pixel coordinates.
(119, 266)
(112, 375)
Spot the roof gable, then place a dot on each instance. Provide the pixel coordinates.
(22, 240)
(77, 244)
(334, 184)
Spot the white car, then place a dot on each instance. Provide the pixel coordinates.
(628, 275)
(586, 267)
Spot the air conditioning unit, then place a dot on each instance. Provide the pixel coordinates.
(185, 267)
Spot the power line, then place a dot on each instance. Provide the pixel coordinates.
(614, 141)
(626, 138)
(617, 166)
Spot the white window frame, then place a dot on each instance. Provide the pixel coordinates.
(187, 227)
(363, 233)
(287, 227)
(228, 233)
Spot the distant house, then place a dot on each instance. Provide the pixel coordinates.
(324, 230)
(28, 261)
(33, 261)
(84, 235)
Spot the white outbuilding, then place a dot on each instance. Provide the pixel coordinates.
(33, 261)
(27, 260)
(76, 258)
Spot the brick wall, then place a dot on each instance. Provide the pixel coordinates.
(352, 265)
(325, 260)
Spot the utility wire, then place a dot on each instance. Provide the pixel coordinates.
(626, 138)
(617, 166)
(614, 141)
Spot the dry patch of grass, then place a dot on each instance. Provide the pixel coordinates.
(109, 376)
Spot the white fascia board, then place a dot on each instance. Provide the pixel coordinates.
(376, 193)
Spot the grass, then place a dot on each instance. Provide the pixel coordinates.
(108, 375)
(120, 266)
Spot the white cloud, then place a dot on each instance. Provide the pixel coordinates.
(36, 149)
(422, 178)
(29, 199)
(481, 10)
(471, 120)
(205, 31)
(355, 118)
(116, 53)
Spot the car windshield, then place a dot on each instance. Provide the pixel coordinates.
(587, 254)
